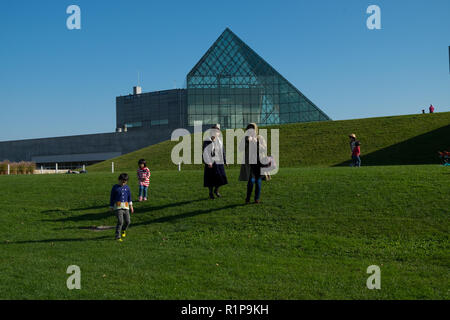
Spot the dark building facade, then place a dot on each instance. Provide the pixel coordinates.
(231, 85)
(152, 110)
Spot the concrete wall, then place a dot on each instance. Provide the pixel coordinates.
(107, 143)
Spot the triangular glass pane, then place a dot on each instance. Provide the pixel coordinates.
(231, 73)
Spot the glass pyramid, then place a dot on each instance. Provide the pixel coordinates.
(232, 85)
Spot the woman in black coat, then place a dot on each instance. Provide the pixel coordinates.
(214, 159)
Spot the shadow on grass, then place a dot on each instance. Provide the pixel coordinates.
(58, 240)
(421, 149)
(102, 215)
(186, 215)
(77, 209)
(158, 220)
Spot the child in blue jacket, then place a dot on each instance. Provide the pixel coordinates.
(120, 202)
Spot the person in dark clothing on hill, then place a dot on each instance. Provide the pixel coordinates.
(214, 158)
(253, 146)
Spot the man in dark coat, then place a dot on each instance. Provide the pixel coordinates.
(214, 159)
(252, 145)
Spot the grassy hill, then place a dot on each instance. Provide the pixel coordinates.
(410, 139)
(319, 226)
(312, 237)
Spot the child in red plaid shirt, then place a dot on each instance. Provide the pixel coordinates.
(143, 174)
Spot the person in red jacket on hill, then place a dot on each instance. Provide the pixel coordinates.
(356, 155)
(431, 108)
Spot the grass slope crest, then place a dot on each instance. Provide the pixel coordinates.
(396, 140)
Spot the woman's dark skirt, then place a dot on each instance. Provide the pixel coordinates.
(215, 176)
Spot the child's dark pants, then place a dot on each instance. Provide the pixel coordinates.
(356, 161)
(122, 216)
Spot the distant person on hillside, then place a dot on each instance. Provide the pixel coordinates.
(431, 108)
(120, 202)
(356, 159)
(445, 157)
(143, 174)
(214, 158)
(352, 143)
(423, 111)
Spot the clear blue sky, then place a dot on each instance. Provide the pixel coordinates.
(55, 82)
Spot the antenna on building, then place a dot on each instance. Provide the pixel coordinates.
(137, 89)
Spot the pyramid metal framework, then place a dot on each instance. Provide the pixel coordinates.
(232, 85)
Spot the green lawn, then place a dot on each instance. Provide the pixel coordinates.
(312, 237)
(395, 140)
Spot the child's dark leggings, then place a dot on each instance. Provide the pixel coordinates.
(250, 184)
(123, 221)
